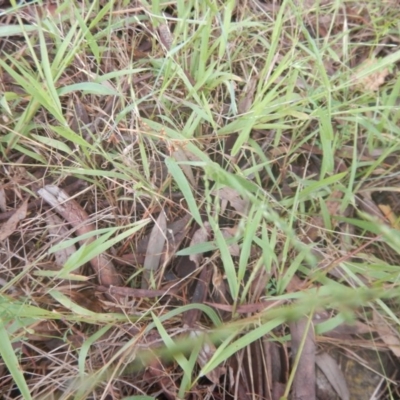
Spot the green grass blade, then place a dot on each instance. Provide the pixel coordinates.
(10, 359)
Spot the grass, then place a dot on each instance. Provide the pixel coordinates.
(276, 127)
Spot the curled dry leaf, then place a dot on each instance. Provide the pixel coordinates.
(77, 217)
(334, 374)
(155, 248)
(199, 237)
(9, 227)
(57, 232)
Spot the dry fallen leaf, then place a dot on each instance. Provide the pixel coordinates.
(368, 82)
(79, 120)
(165, 36)
(388, 335)
(180, 156)
(334, 374)
(199, 237)
(304, 383)
(191, 317)
(366, 204)
(154, 249)
(9, 227)
(132, 292)
(176, 232)
(316, 223)
(228, 194)
(390, 215)
(248, 95)
(206, 352)
(77, 217)
(42, 330)
(3, 202)
(228, 233)
(57, 232)
(156, 372)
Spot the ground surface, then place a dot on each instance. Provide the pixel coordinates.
(199, 200)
